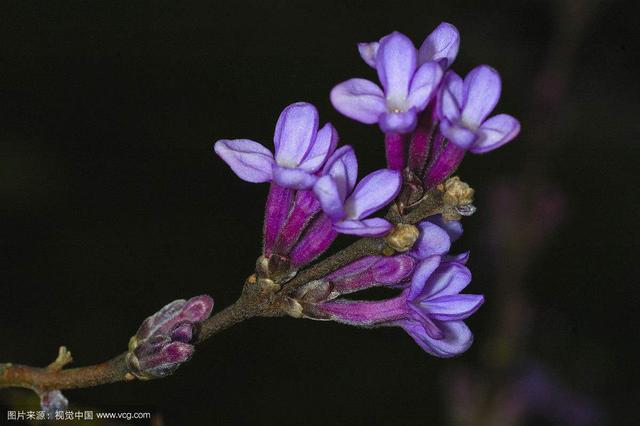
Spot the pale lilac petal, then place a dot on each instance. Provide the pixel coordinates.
(457, 338)
(153, 323)
(459, 135)
(293, 178)
(396, 63)
(451, 97)
(458, 258)
(421, 275)
(453, 227)
(331, 201)
(399, 122)
(368, 52)
(295, 132)
(448, 279)
(423, 85)
(495, 132)
(359, 99)
(442, 43)
(373, 192)
(480, 94)
(375, 227)
(453, 307)
(432, 241)
(342, 166)
(248, 159)
(324, 145)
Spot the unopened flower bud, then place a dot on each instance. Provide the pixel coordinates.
(315, 291)
(161, 344)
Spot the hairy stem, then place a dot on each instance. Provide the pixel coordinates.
(256, 300)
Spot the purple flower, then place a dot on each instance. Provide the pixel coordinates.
(161, 344)
(300, 150)
(441, 45)
(407, 87)
(431, 310)
(346, 206)
(463, 107)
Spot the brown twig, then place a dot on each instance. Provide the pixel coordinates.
(256, 300)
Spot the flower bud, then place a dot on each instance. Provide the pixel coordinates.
(161, 344)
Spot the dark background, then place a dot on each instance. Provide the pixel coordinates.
(112, 202)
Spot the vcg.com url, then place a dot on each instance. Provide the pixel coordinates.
(105, 415)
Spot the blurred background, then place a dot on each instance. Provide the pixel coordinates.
(112, 204)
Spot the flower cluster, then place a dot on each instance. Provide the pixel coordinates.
(430, 117)
(314, 193)
(429, 307)
(161, 344)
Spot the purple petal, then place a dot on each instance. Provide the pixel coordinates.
(359, 99)
(457, 338)
(422, 326)
(182, 332)
(167, 360)
(432, 241)
(326, 190)
(399, 122)
(373, 192)
(481, 93)
(197, 309)
(419, 148)
(446, 162)
(394, 147)
(342, 166)
(396, 63)
(295, 132)
(448, 279)
(304, 209)
(375, 227)
(459, 135)
(365, 313)
(248, 159)
(391, 270)
(452, 227)
(371, 271)
(495, 132)
(423, 85)
(293, 178)
(442, 43)
(453, 307)
(451, 97)
(324, 145)
(368, 52)
(314, 241)
(354, 268)
(421, 275)
(458, 258)
(276, 212)
(151, 324)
